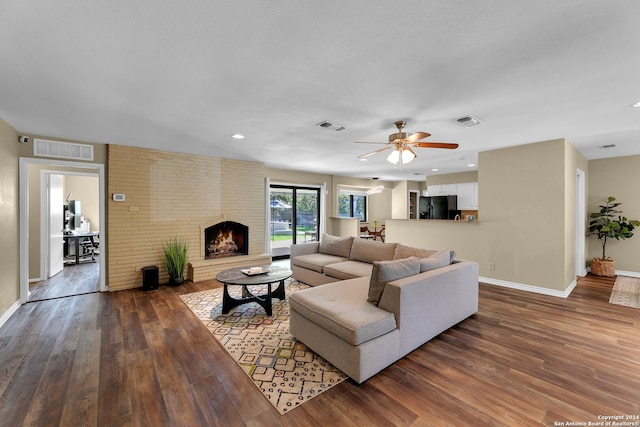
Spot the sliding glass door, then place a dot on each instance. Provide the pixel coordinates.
(294, 217)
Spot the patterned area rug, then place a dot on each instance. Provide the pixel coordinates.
(626, 291)
(284, 369)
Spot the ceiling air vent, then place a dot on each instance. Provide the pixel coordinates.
(469, 121)
(607, 146)
(328, 125)
(62, 150)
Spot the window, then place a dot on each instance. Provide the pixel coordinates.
(352, 204)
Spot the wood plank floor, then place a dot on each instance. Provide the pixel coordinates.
(135, 358)
(74, 279)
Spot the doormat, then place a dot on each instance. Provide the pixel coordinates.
(626, 291)
(284, 370)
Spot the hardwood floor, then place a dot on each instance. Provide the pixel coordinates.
(135, 358)
(74, 279)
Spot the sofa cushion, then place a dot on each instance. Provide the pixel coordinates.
(348, 270)
(439, 259)
(316, 262)
(387, 271)
(403, 252)
(342, 309)
(368, 250)
(333, 245)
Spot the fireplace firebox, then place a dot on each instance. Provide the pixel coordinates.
(226, 239)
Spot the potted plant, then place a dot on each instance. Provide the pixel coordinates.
(606, 224)
(175, 260)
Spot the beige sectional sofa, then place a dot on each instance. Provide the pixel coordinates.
(378, 303)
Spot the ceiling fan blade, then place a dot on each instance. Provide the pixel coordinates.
(448, 145)
(417, 136)
(375, 152)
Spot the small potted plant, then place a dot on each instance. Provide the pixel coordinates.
(175, 260)
(608, 223)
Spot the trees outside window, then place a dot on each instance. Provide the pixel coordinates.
(352, 204)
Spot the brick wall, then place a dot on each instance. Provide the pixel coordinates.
(171, 195)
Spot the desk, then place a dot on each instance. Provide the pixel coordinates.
(77, 237)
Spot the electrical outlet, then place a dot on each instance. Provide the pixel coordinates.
(492, 267)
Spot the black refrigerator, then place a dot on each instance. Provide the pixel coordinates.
(438, 207)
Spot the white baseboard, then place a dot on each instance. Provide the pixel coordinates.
(627, 273)
(530, 288)
(7, 314)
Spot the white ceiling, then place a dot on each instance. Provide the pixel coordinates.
(185, 75)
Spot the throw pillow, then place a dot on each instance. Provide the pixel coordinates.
(439, 259)
(368, 251)
(334, 245)
(387, 271)
(403, 252)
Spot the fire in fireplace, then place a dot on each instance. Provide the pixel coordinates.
(226, 239)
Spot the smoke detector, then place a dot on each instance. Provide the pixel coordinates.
(469, 121)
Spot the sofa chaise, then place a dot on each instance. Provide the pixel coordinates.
(386, 309)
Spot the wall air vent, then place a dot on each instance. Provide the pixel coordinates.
(606, 146)
(333, 126)
(469, 121)
(62, 150)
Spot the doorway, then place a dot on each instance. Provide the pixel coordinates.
(33, 259)
(294, 217)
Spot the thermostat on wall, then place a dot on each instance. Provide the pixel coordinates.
(118, 197)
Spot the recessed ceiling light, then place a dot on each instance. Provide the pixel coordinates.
(637, 104)
(237, 136)
(435, 170)
(471, 165)
(363, 159)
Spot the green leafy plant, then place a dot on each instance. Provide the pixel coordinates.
(609, 223)
(175, 257)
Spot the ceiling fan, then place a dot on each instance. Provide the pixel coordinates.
(402, 143)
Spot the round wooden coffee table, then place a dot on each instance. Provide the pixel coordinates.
(244, 277)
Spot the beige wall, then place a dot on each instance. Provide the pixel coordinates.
(525, 196)
(617, 177)
(9, 218)
(399, 200)
(171, 195)
(85, 189)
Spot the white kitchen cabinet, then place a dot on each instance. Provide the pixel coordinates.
(467, 196)
(441, 190)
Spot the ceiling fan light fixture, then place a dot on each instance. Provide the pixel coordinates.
(407, 156)
(394, 157)
(403, 156)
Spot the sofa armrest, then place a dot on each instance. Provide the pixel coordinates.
(429, 303)
(304, 249)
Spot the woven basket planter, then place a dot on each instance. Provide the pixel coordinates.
(600, 267)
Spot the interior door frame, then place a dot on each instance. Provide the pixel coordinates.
(24, 163)
(581, 268)
(45, 249)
